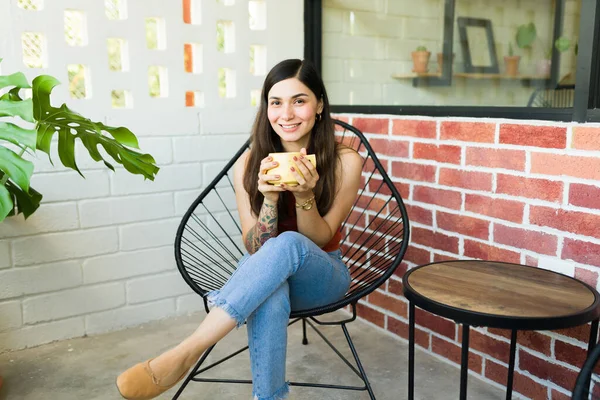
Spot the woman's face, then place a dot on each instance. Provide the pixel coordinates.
(292, 109)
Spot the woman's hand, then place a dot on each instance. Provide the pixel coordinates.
(271, 192)
(307, 176)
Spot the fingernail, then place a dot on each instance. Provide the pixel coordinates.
(295, 158)
(292, 168)
(301, 157)
(270, 158)
(277, 176)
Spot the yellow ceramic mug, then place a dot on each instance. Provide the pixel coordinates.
(286, 160)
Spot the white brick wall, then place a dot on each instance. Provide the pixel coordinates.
(98, 254)
(120, 210)
(148, 234)
(156, 287)
(11, 315)
(124, 265)
(50, 218)
(129, 316)
(5, 254)
(62, 246)
(33, 335)
(17, 282)
(69, 303)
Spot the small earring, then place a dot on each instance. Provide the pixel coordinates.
(318, 117)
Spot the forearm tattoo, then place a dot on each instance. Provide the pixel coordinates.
(265, 228)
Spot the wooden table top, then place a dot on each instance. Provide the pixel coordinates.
(499, 291)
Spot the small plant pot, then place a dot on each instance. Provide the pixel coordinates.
(420, 61)
(511, 64)
(440, 61)
(542, 67)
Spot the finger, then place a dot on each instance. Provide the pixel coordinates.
(264, 168)
(270, 188)
(301, 167)
(267, 178)
(299, 178)
(269, 165)
(303, 151)
(307, 164)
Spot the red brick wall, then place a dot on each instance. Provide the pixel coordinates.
(516, 191)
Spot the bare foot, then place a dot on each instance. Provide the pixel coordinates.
(169, 366)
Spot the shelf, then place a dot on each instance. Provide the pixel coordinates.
(498, 76)
(468, 75)
(417, 75)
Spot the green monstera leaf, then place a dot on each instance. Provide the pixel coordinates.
(26, 201)
(16, 194)
(17, 80)
(15, 172)
(70, 126)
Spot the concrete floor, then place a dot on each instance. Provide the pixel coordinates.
(86, 368)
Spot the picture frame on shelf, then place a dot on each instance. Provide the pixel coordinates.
(477, 44)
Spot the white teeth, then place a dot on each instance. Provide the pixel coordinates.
(290, 126)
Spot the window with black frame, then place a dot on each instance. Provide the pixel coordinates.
(510, 53)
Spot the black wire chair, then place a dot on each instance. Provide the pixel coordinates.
(562, 96)
(583, 390)
(375, 237)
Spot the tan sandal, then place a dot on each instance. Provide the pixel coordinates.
(140, 383)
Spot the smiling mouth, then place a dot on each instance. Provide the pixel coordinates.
(289, 126)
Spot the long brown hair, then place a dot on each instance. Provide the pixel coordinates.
(264, 139)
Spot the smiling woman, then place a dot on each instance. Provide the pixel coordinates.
(291, 233)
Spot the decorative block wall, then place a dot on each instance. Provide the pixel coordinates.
(183, 76)
(516, 191)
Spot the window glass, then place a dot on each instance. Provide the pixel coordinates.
(391, 52)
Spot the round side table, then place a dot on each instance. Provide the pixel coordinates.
(497, 295)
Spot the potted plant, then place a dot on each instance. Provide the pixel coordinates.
(420, 59)
(543, 66)
(527, 34)
(28, 125)
(511, 62)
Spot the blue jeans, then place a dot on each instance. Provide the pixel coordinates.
(289, 272)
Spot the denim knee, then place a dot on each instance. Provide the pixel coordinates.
(290, 241)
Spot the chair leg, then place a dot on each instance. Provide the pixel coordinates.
(304, 338)
(358, 363)
(193, 372)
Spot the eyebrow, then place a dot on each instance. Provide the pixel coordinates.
(293, 97)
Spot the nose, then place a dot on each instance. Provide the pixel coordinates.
(288, 112)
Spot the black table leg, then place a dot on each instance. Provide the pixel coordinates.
(464, 363)
(591, 345)
(511, 364)
(593, 336)
(411, 351)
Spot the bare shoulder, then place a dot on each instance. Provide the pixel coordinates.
(240, 164)
(239, 169)
(350, 160)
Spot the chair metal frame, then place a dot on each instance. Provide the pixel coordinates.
(581, 391)
(562, 96)
(380, 261)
